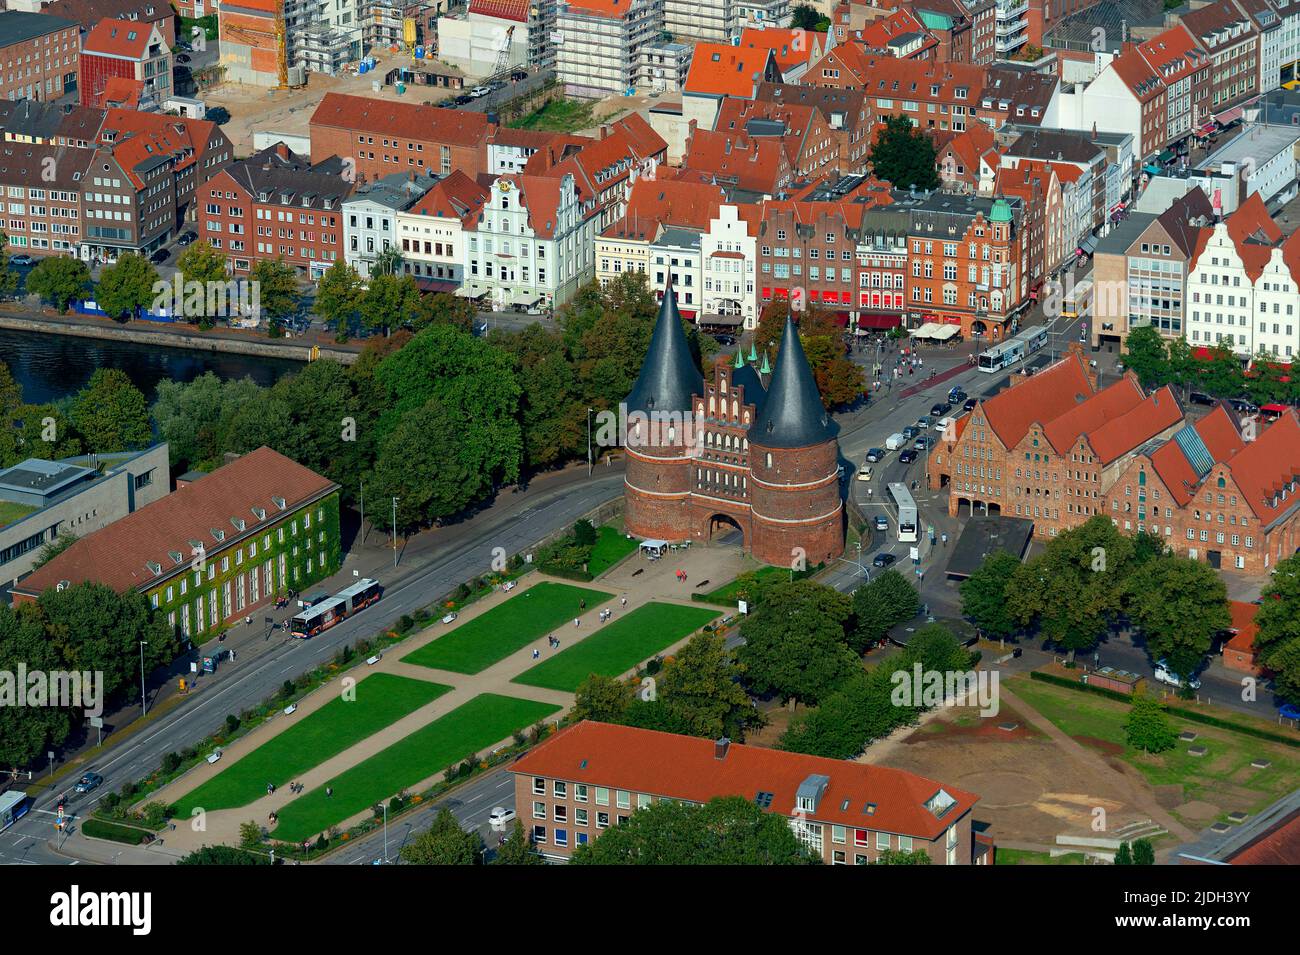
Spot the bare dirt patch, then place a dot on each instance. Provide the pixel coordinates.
(1198, 811)
(1104, 746)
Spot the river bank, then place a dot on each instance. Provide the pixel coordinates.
(229, 340)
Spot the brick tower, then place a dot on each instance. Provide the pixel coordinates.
(732, 452)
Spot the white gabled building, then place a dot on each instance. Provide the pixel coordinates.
(728, 259)
(431, 233)
(370, 216)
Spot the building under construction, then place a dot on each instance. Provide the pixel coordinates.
(493, 35)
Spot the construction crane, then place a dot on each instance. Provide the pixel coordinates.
(281, 50)
(503, 55)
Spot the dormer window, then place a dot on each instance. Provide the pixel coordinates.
(278, 502)
(155, 568)
(176, 556)
(238, 523)
(259, 513)
(218, 534)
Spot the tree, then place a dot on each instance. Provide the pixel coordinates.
(8, 277)
(440, 308)
(1123, 855)
(60, 280)
(729, 830)
(584, 533)
(194, 417)
(903, 857)
(12, 412)
(338, 294)
(984, 595)
(1143, 852)
(276, 283)
(553, 419)
(126, 288)
(203, 264)
(700, 685)
(1179, 605)
(604, 699)
(444, 843)
(389, 299)
(111, 413)
(1147, 727)
(387, 262)
(54, 548)
(27, 732)
(45, 432)
(859, 711)
(1148, 356)
(880, 604)
(518, 849)
(840, 381)
(1220, 372)
(424, 465)
(903, 155)
(223, 855)
(794, 643)
(1278, 628)
(805, 17)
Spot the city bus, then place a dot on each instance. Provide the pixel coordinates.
(317, 617)
(902, 499)
(1034, 338)
(1078, 300)
(359, 596)
(1002, 356)
(13, 806)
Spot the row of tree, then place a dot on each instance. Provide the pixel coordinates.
(1213, 370)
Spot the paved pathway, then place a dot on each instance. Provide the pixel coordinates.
(637, 578)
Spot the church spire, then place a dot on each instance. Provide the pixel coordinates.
(669, 378)
(740, 358)
(792, 415)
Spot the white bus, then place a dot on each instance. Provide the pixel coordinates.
(902, 499)
(1034, 338)
(13, 806)
(1002, 356)
(359, 596)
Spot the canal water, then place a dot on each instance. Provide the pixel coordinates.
(50, 366)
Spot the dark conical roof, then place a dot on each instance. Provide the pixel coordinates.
(792, 416)
(668, 378)
(755, 394)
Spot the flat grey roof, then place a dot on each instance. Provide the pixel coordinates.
(1258, 141)
(41, 477)
(984, 535)
(17, 26)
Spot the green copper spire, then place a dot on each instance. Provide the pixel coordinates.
(766, 367)
(740, 358)
(753, 353)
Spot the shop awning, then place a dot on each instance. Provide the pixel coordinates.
(1167, 156)
(471, 290)
(525, 298)
(729, 320)
(945, 332)
(1151, 170)
(879, 320)
(1229, 115)
(1088, 244)
(926, 330)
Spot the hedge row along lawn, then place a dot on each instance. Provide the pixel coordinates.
(492, 636)
(618, 646)
(99, 829)
(381, 699)
(475, 725)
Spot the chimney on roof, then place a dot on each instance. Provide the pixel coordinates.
(720, 748)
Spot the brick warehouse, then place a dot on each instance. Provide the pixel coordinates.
(734, 452)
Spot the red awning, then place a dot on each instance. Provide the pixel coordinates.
(879, 320)
(687, 313)
(1229, 115)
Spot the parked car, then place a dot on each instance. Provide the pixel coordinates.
(1200, 398)
(186, 238)
(911, 431)
(895, 441)
(923, 422)
(1169, 677)
(956, 393)
(451, 617)
(924, 443)
(1242, 406)
(159, 256)
(22, 260)
(940, 409)
(875, 455)
(183, 58)
(1289, 711)
(908, 456)
(882, 522)
(883, 560)
(865, 472)
(478, 91)
(500, 817)
(725, 340)
(88, 782)
(970, 404)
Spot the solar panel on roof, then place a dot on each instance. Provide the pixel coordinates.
(1194, 449)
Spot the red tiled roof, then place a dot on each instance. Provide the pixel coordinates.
(757, 164)
(610, 9)
(141, 137)
(1268, 466)
(877, 35)
(669, 202)
(118, 555)
(124, 38)
(1156, 412)
(122, 91)
(1279, 846)
(1042, 398)
(457, 196)
(1173, 54)
(790, 46)
(516, 10)
(1218, 431)
(686, 767)
(1244, 627)
(721, 69)
(540, 195)
(1143, 81)
(407, 120)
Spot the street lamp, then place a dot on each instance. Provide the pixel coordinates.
(144, 698)
(363, 511)
(589, 442)
(385, 833)
(394, 533)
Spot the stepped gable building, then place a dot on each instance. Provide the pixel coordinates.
(732, 452)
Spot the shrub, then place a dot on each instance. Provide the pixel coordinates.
(584, 534)
(170, 763)
(405, 623)
(232, 722)
(286, 689)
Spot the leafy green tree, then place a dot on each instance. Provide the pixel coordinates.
(388, 262)
(903, 857)
(8, 277)
(60, 280)
(605, 699)
(878, 605)
(1124, 854)
(200, 262)
(794, 643)
(1221, 373)
(192, 416)
(984, 595)
(859, 711)
(278, 295)
(444, 843)
(904, 155)
(1179, 605)
(518, 849)
(440, 308)
(1147, 727)
(126, 288)
(389, 300)
(1278, 624)
(424, 465)
(805, 17)
(725, 831)
(1148, 356)
(700, 684)
(223, 855)
(46, 432)
(12, 413)
(27, 732)
(339, 293)
(111, 413)
(1143, 852)
(552, 418)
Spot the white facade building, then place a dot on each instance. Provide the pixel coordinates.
(370, 217)
(728, 252)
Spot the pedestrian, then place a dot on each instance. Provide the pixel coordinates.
(582, 604)
(576, 623)
(536, 653)
(329, 790)
(625, 600)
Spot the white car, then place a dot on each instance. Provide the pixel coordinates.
(450, 618)
(479, 91)
(508, 586)
(1169, 677)
(500, 817)
(865, 472)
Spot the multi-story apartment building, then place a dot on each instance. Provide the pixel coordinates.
(806, 137)
(729, 255)
(1184, 69)
(432, 232)
(968, 262)
(89, 12)
(603, 45)
(276, 204)
(1231, 39)
(1140, 271)
(591, 776)
(531, 246)
(125, 50)
(1039, 187)
(882, 267)
(1050, 447)
(510, 149)
(214, 551)
(755, 166)
(375, 137)
(42, 186)
(719, 71)
(370, 216)
(1215, 493)
(39, 55)
(844, 112)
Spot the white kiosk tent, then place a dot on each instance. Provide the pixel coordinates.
(654, 549)
(927, 330)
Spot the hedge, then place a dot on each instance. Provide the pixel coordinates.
(567, 573)
(99, 829)
(1196, 716)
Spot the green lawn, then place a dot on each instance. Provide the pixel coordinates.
(477, 644)
(11, 511)
(728, 594)
(1025, 857)
(381, 699)
(484, 720)
(619, 646)
(612, 547)
(559, 116)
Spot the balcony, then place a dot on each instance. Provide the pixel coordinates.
(1012, 10)
(1009, 44)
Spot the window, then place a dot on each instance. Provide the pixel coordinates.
(602, 796)
(539, 810)
(882, 840)
(539, 786)
(623, 799)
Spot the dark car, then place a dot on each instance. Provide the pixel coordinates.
(875, 455)
(970, 404)
(1200, 398)
(159, 256)
(182, 58)
(908, 456)
(883, 560)
(186, 238)
(941, 409)
(726, 340)
(956, 393)
(88, 782)
(911, 431)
